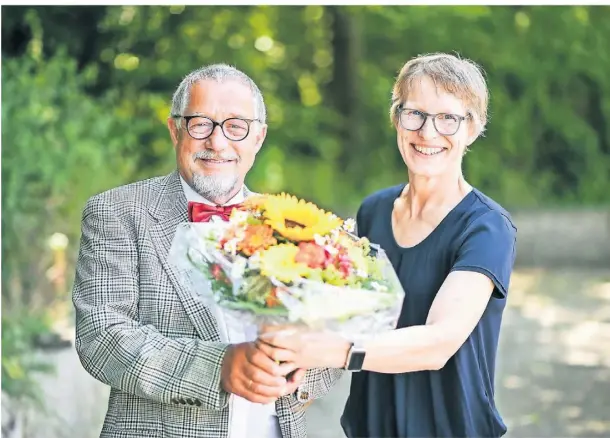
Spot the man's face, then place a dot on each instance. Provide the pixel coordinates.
(216, 167)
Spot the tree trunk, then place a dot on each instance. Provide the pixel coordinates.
(345, 84)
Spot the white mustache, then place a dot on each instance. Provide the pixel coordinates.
(203, 155)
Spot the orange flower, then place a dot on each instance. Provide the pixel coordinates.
(257, 237)
(271, 299)
(311, 254)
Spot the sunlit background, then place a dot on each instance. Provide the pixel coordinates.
(85, 95)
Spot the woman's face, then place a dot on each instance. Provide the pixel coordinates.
(426, 152)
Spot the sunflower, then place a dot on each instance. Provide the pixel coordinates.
(298, 220)
(278, 262)
(254, 203)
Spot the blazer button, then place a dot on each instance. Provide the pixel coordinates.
(197, 402)
(175, 401)
(304, 395)
(182, 401)
(189, 401)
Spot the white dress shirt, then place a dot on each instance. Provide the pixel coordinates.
(246, 419)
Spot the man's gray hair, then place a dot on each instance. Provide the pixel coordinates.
(218, 73)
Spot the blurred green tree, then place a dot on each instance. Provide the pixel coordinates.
(100, 80)
(59, 147)
(327, 73)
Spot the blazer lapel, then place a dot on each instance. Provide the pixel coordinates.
(169, 210)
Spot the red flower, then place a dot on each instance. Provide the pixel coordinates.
(219, 274)
(345, 265)
(216, 271)
(312, 255)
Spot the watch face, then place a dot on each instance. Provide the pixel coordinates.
(356, 361)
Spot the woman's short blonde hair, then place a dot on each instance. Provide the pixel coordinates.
(461, 77)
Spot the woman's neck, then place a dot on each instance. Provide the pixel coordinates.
(424, 194)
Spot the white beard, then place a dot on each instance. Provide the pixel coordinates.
(213, 187)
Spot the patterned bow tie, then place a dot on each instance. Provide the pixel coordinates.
(199, 212)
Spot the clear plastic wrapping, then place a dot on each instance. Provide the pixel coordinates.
(252, 272)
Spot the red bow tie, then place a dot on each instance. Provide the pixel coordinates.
(199, 212)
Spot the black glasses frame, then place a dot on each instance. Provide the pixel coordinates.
(400, 110)
(214, 125)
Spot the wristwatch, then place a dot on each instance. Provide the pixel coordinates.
(355, 357)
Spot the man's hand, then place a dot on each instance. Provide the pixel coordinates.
(249, 372)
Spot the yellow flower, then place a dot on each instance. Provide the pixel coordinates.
(254, 203)
(298, 220)
(278, 261)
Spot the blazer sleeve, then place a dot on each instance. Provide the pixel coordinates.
(317, 383)
(112, 345)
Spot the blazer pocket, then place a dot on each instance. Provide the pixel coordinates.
(130, 433)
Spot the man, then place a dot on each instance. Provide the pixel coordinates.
(138, 328)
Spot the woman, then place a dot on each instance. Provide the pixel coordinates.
(453, 249)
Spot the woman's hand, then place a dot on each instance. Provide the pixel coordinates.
(306, 349)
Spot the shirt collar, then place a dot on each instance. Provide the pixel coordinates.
(193, 196)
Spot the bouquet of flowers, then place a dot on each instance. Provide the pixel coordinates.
(281, 260)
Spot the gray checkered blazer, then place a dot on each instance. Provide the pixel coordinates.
(141, 332)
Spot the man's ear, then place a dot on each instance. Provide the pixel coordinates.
(260, 137)
(174, 132)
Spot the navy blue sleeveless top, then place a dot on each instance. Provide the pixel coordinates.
(457, 400)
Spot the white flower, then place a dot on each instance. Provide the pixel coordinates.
(349, 225)
(319, 239)
(254, 261)
(331, 249)
(231, 246)
(240, 234)
(238, 217)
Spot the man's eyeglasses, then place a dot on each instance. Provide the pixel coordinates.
(414, 120)
(200, 128)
